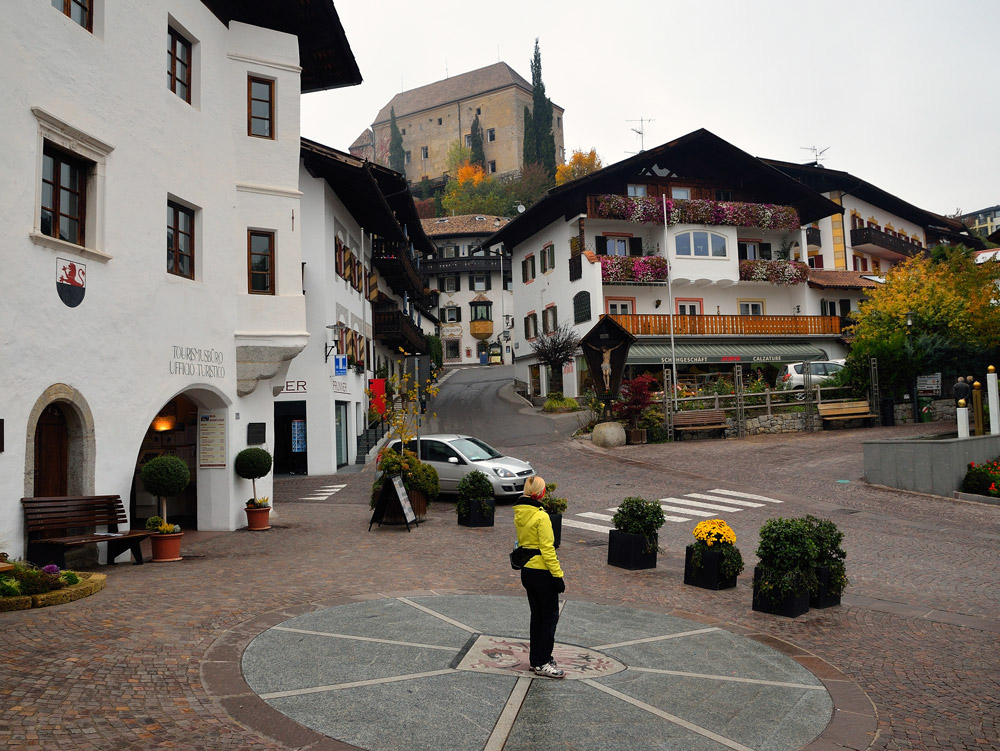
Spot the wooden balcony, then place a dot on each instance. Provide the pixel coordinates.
(879, 244)
(727, 325)
(397, 267)
(395, 330)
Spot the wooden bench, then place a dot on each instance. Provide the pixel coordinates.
(55, 524)
(834, 411)
(701, 419)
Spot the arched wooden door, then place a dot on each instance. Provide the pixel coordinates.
(51, 453)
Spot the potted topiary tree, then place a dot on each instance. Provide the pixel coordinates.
(831, 573)
(633, 543)
(786, 570)
(476, 505)
(635, 397)
(554, 507)
(164, 476)
(250, 464)
(713, 561)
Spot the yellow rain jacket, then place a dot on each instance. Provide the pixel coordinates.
(534, 530)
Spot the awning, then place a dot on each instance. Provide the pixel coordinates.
(690, 353)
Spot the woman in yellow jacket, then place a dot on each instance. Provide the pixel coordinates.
(541, 576)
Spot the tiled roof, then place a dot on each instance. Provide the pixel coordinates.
(826, 279)
(463, 224)
(464, 86)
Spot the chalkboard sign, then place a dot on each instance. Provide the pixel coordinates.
(256, 433)
(393, 493)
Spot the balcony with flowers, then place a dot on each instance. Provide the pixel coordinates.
(650, 210)
(785, 273)
(633, 269)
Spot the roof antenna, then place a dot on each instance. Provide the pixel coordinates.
(817, 154)
(641, 132)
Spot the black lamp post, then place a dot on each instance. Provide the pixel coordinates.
(910, 315)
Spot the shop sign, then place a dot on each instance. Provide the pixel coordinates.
(212, 440)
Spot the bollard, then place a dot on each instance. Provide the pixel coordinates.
(993, 400)
(977, 407)
(962, 415)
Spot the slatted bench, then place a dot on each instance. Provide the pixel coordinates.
(701, 419)
(55, 524)
(836, 411)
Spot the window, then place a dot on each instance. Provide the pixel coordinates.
(451, 314)
(261, 263)
(80, 11)
(613, 245)
(468, 140)
(64, 196)
(528, 269)
(402, 132)
(680, 194)
(452, 349)
(179, 65)
(423, 152)
(449, 251)
(558, 122)
(637, 191)
(856, 221)
(689, 308)
(491, 167)
(439, 121)
(479, 110)
(452, 284)
(723, 195)
(180, 240)
(816, 261)
(548, 258)
(549, 321)
(508, 281)
(491, 135)
(481, 311)
(479, 282)
(260, 109)
(701, 244)
(860, 264)
(581, 307)
(620, 307)
(754, 251)
(407, 157)
(531, 326)
(751, 307)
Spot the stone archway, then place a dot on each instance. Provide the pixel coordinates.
(68, 404)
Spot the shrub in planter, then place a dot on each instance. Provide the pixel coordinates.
(635, 398)
(831, 573)
(713, 561)
(786, 572)
(555, 507)
(632, 544)
(983, 479)
(475, 505)
(163, 477)
(252, 463)
(418, 477)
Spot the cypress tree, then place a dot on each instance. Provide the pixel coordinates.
(477, 156)
(530, 152)
(397, 156)
(545, 148)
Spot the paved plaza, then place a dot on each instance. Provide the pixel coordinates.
(318, 634)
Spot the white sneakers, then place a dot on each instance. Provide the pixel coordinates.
(549, 670)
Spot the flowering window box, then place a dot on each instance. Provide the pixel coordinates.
(649, 210)
(633, 269)
(775, 272)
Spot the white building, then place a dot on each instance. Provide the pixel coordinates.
(115, 348)
(363, 302)
(475, 289)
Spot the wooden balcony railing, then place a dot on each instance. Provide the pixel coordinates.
(394, 329)
(722, 325)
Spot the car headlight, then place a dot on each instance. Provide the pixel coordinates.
(503, 472)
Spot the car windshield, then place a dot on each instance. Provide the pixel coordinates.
(475, 450)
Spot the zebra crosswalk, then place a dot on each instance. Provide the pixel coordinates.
(688, 507)
(322, 493)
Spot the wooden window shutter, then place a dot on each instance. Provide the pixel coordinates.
(489, 282)
(635, 246)
(458, 315)
(554, 322)
(524, 270)
(372, 285)
(527, 331)
(601, 243)
(741, 251)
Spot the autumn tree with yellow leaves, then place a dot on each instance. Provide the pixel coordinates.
(580, 164)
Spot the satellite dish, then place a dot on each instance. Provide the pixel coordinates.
(520, 208)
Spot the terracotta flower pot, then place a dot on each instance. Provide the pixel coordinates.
(166, 547)
(258, 519)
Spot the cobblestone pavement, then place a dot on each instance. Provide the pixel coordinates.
(139, 665)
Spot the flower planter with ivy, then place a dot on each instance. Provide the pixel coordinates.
(634, 541)
(713, 561)
(476, 505)
(419, 478)
(786, 573)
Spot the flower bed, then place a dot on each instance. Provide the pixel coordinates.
(775, 272)
(633, 269)
(731, 213)
(86, 585)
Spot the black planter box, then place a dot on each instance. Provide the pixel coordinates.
(475, 517)
(789, 607)
(626, 550)
(709, 576)
(823, 598)
(556, 527)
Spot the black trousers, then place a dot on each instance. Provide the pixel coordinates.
(544, 602)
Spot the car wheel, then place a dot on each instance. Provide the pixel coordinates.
(800, 395)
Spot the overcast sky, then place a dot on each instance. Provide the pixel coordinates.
(902, 93)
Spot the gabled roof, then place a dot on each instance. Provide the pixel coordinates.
(698, 155)
(475, 83)
(463, 225)
(840, 279)
(324, 52)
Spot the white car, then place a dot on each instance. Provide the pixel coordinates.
(454, 456)
(791, 375)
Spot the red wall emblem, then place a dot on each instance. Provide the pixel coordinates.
(71, 281)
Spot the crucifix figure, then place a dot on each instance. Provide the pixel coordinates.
(606, 363)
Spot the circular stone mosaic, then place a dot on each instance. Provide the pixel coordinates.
(450, 673)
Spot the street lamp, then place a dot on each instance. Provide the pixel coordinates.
(910, 317)
(331, 347)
